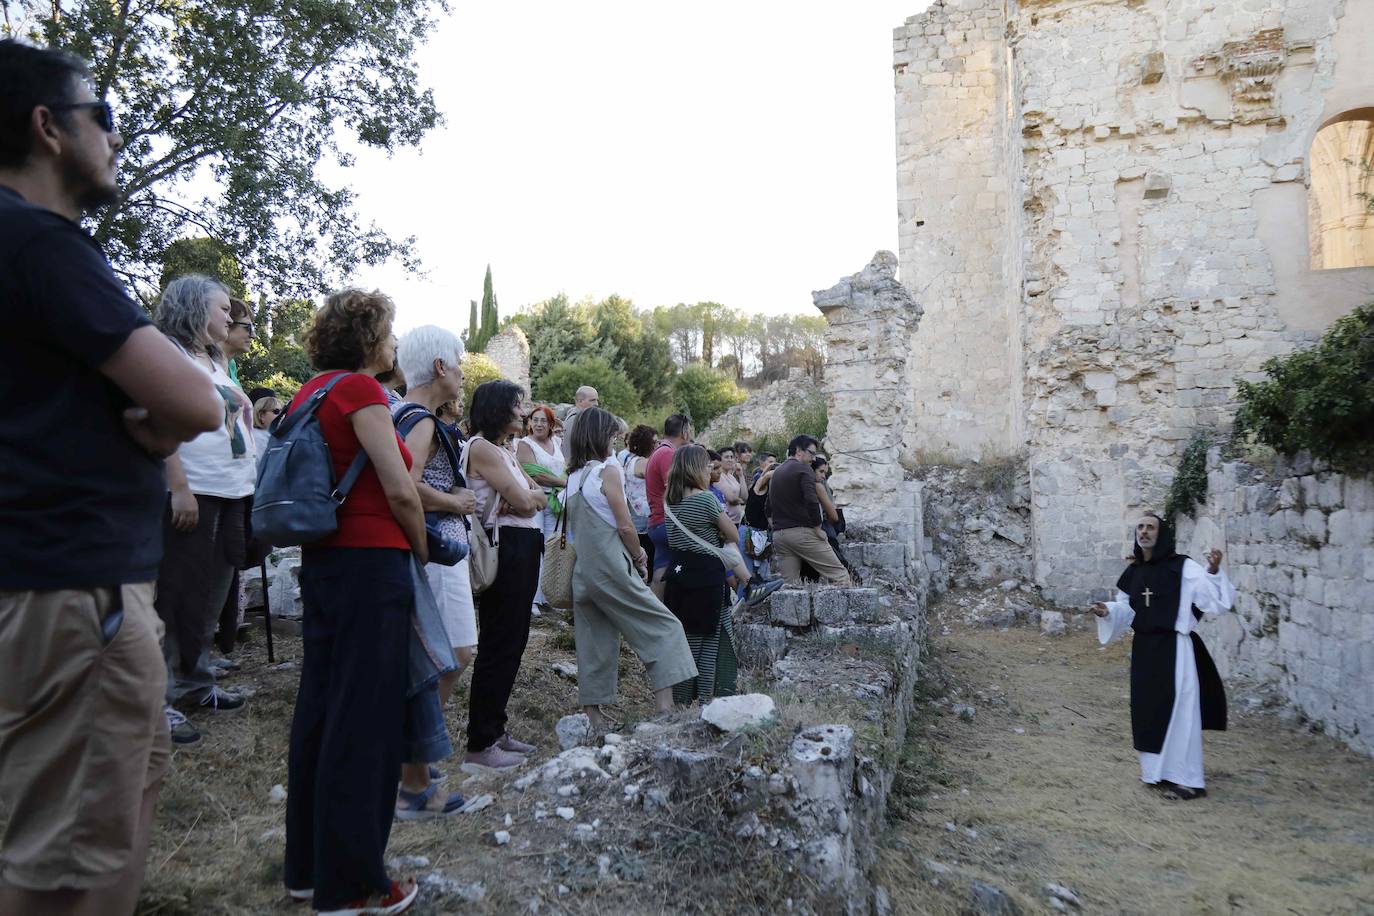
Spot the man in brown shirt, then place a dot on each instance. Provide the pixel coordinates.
(797, 534)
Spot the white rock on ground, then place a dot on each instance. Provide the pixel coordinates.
(748, 710)
(278, 794)
(573, 731)
(1052, 623)
(565, 670)
(566, 813)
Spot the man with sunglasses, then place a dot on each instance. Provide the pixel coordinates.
(83, 739)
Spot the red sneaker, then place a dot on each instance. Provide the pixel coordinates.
(398, 900)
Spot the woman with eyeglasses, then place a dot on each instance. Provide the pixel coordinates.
(240, 337)
(265, 411)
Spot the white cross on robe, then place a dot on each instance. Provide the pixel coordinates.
(1147, 593)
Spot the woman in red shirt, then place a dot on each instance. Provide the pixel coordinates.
(357, 593)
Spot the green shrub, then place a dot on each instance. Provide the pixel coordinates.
(1319, 399)
(703, 394)
(807, 415)
(477, 368)
(1189, 488)
(561, 382)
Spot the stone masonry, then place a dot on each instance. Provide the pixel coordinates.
(1103, 207)
(1300, 550)
(510, 351)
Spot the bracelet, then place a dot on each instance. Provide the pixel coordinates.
(643, 557)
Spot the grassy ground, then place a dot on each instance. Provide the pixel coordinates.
(1041, 785)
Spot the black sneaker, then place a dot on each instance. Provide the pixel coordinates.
(220, 701)
(756, 594)
(183, 732)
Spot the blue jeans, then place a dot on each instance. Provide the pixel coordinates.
(659, 535)
(345, 756)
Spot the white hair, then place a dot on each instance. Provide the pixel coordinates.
(419, 348)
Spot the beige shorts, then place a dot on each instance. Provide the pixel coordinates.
(82, 733)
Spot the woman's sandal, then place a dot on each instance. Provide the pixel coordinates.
(415, 806)
(1180, 793)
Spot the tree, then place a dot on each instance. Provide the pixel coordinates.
(704, 394)
(470, 339)
(638, 351)
(561, 382)
(206, 256)
(229, 108)
(477, 368)
(276, 358)
(491, 321)
(558, 332)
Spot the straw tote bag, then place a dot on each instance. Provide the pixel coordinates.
(482, 550)
(559, 558)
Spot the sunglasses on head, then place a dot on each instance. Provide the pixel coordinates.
(104, 114)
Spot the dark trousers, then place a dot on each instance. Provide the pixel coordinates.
(503, 630)
(345, 757)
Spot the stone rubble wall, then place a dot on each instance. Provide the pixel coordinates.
(1300, 551)
(510, 351)
(1103, 207)
(763, 413)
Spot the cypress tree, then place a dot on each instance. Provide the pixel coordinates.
(472, 325)
(490, 320)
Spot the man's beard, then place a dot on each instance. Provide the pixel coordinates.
(93, 195)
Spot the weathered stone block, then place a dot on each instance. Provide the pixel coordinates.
(687, 770)
(885, 556)
(750, 710)
(862, 604)
(823, 762)
(759, 645)
(790, 607)
(830, 606)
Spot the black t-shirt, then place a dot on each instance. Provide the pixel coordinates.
(756, 506)
(80, 502)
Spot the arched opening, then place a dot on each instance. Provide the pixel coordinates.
(1341, 202)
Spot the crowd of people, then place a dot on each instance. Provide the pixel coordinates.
(126, 515)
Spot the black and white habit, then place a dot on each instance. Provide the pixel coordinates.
(1175, 689)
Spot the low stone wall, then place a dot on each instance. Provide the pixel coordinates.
(1299, 546)
(764, 413)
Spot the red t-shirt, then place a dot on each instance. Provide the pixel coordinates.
(656, 480)
(365, 518)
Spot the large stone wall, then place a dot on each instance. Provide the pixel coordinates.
(1103, 205)
(1300, 550)
(510, 350)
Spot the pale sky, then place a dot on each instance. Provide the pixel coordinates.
(738, 152)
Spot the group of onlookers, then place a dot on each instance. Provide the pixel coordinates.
(125, 515)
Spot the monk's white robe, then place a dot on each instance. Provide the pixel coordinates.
(1180, 759)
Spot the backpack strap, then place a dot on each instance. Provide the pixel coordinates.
(409, 416)
(285, 423)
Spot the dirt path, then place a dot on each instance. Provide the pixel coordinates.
(1027, 791)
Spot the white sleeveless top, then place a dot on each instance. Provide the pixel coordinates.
(551, 460)
(586, 481)
(224, 461)
(485, 493)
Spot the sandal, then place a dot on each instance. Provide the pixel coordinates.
(1180, 793)
(437, 775)
(414, 806)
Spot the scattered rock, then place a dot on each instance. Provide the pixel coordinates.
(1052, 623)
(565, 670)
(568, 791)
(583, 832)
(277, 795)
(448, 886)
(964, 712)
(477, 804)
(991, 900)
(938, 868)
(407, 862)
(501, 837)
(750, 710)
(1062, 893)
(573, 731)
(566, 813)
(1008, 585)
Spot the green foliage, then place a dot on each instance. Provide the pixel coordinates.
(636, 347)
(558, 332)
(490, 320)
(284, 385)
(276, 352)
(470, 338)
(704, 394)
(207, 256)
(477, 368)
(1319, 399)
(1189, 488)
(807, 415)
(230, 108)
(616, 393)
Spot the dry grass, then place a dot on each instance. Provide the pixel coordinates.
(1288, 826)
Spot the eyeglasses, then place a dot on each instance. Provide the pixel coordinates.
(272, 410)
(246, 325)
(104, 114)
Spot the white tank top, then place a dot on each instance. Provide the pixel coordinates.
(586, 481)
(551, 460)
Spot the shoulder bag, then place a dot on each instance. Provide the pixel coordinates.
(482, 550)
(729, 554)
(559, 558)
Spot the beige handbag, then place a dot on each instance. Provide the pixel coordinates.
(559, 558)
(482, 551)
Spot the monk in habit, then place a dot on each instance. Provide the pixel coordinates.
(1175, 689)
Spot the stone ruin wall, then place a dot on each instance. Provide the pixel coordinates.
(1300, 550)
(510, 351)
(1103, 209)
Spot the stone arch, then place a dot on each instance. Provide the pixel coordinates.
(1341, 170)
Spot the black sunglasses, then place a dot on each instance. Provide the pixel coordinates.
(104, 114)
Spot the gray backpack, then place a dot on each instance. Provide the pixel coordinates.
(297, 500)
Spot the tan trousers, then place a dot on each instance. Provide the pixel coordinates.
(793, 545)
(82, 733)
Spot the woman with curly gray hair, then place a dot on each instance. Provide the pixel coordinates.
(210, 481)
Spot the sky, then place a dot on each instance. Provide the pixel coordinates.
(739, 152)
